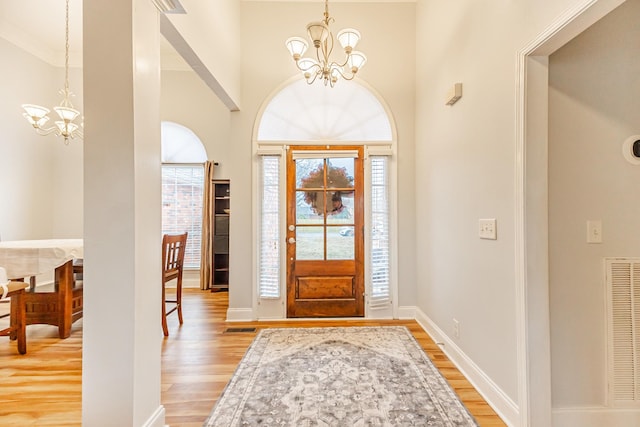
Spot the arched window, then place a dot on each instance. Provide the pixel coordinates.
(183, 156)
(347, 112)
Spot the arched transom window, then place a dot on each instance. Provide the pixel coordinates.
(302, 112)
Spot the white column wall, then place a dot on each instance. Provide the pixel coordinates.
(122, 334)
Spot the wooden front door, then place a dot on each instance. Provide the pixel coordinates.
(325, 243)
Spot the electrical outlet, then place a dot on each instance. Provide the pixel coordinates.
(487, 229)
(456, 328)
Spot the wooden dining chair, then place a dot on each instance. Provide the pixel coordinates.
(14, 291)
(173, 247)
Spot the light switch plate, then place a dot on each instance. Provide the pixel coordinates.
(594, 231)
(487, 229)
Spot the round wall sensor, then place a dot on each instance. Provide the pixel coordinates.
(631, 149)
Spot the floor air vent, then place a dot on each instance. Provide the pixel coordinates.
(234, 330)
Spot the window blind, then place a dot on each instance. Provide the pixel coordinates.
(380, 245)
(182, 191)
(269, 273)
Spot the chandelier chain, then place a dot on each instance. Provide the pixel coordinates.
(326, 12)
(66, 48)
(65, 92)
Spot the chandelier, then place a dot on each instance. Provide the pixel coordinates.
(322, 38)
(37, 115)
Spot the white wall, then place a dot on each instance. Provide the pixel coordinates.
(465, 157)
(593, 107)
(25, 158)
(266, 64)
(40, 176)
(186, 100)
(211, 29)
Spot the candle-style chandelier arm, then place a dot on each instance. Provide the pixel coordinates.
(310, 69)
(322, 39)
(38, 122)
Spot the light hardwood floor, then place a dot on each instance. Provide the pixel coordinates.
(43, 388)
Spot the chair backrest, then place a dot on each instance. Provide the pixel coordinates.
(173, 248)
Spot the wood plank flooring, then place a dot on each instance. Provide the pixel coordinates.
(43, 388)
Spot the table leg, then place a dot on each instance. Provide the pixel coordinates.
(21, 320)
(64, 282)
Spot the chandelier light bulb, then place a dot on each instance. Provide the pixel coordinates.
(35, 111)
(67, 114)
(318, 33)
(322, 67)
(356, 61)
(297, 47)
(348, 39)
(35, 115)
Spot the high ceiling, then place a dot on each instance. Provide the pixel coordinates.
(37, 26)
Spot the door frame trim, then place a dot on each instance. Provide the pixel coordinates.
(314, 151)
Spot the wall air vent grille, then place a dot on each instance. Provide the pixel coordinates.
(623, 307)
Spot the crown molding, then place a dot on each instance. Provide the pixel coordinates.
(32, 45)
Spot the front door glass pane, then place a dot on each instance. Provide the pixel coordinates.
(340, 207)
(310, 243)
(340, 172)
(309, 173)
(307, 203)
(340, 243)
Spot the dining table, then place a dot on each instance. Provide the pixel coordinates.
(61, 306)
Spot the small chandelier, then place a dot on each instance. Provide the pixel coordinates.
(322, 37)
(37, 115)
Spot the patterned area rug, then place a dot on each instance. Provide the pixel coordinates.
(338, 377)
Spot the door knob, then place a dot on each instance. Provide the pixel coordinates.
(292, 240)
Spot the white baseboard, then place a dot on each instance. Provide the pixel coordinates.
(191, 279)
(156, 419)
(191, 283)
(595, 417)
(504, 406)
(240, 315)
(407, 312)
